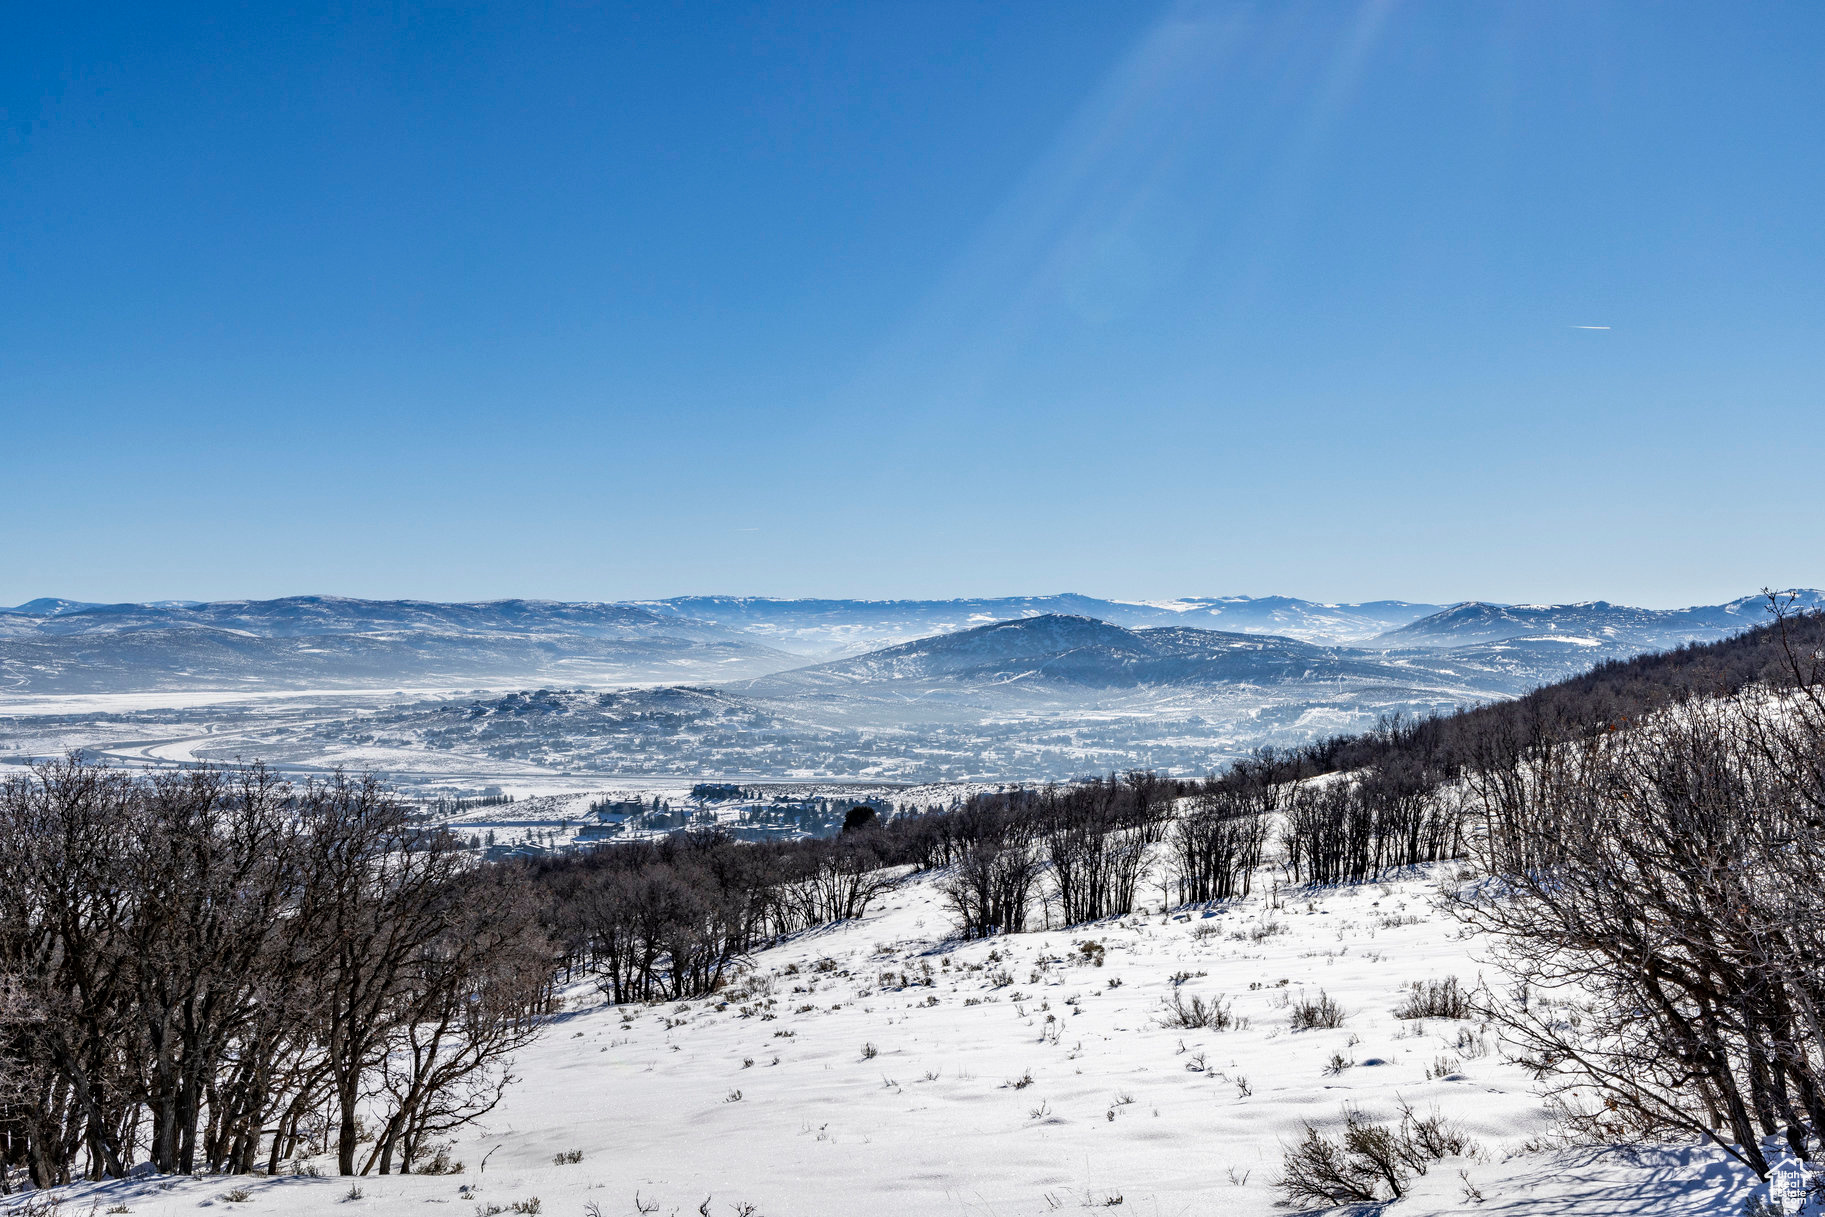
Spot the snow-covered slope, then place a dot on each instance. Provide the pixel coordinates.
(878, 1068)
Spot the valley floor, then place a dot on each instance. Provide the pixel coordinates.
(824, 1087)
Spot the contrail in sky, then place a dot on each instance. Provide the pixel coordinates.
(1590, 327)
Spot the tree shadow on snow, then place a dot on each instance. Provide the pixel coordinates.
(1620, 1181)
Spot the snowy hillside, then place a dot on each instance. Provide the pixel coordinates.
(879, 1067)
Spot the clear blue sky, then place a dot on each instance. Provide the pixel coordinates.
(912, 299)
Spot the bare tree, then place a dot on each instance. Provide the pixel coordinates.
(478, 994)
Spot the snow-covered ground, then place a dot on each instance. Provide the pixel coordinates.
(877, 1068)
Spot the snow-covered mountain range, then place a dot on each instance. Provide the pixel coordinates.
(303, 642)
(775, 689)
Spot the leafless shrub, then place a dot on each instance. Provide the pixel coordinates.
(1260, 932)
(1195, 1013)
(1434, 999)
(1367, 1161)
(1319, 1013)
(439, 1163)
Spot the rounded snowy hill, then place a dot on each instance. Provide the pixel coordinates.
(1063, 649)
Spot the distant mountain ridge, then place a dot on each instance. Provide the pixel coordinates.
(820, 627)
(1596, 620)
(700, 686)
(296, 616)
(301, 642)
(296, 642)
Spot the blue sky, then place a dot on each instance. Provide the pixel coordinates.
(925, 299)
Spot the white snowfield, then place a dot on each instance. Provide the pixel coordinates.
(1011, 1076)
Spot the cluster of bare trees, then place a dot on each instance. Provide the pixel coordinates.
(1095, 837)
(991, 889)
(1217, 841)
(1657, 895)
(1395, 813)
(1078, 853)
(218, 970)
(672, 918)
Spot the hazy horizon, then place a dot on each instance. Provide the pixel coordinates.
(1442, 602)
